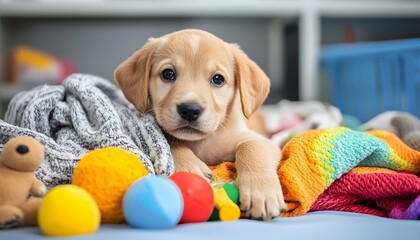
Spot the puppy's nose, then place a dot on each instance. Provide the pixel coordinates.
(189, 111)
(22, 149)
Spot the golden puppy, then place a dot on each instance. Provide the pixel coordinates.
(202, 91)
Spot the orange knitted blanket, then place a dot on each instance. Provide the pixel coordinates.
(312, 161)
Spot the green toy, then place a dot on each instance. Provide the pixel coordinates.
(226, 202)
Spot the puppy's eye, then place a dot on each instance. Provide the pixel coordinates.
(168, 75)
(217, 80)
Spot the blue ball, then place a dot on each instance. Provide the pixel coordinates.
(153, 202)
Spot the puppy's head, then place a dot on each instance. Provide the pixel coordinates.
(189, 79)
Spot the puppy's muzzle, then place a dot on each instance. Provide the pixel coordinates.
(189, 111)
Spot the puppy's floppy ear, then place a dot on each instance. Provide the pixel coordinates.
(253, 83)
(133, 75)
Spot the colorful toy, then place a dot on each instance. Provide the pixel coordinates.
(106, 174)
(197, 194)
(68, 210)
(20, 158)
(33, 67)
(226, 198)
(153, 202)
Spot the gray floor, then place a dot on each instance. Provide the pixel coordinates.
(316, 225)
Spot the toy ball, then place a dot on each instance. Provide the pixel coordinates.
(153, 202)
(106, 174)
(197, 194)
(68, 210)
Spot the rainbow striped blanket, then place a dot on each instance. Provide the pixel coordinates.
(340, 169)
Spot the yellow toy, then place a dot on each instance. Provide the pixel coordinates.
(68, 210)
(106, 174)
(228, 210)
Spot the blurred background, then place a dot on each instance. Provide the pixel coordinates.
(360, 55)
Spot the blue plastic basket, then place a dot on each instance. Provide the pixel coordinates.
(370, 78)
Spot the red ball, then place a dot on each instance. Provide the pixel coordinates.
(197, 194)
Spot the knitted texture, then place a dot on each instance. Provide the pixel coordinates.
(224, 172)
(85, 113)
(106, 174)
(411, 212)
(312, 161)
(374, 191)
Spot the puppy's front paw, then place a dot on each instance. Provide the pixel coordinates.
(260, 196)
(197, 167)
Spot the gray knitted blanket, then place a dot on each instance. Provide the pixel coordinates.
(84, 113)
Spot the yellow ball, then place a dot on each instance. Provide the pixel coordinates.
(106, 174)
(68, 210)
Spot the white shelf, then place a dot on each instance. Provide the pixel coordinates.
(372, 8)
(158, 8)
(308, 12)
(209, 8)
